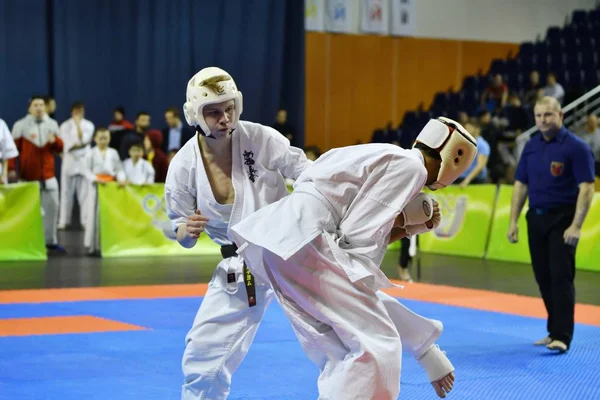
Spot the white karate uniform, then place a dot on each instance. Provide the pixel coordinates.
(225, 325)
(323, 257)
(98, 163)
(8, 149)
(72, 179)
(140, 173)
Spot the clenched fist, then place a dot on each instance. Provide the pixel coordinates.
(195, 225)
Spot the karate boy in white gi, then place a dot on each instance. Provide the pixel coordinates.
(137, 170)
(101, 166)
(323, 255)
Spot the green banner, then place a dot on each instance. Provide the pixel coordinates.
(21, 224)
(466, 220)
(500, 248)
(134, 223)
(588, 250)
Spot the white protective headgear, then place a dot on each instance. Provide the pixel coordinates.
(456, 146)
(209, 86)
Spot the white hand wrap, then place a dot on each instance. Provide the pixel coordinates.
(418, 211)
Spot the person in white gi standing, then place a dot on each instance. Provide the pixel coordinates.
(323, 255)
(77, 134)
(229, 170)
(137, 170)
(102, 165)
(8, 150)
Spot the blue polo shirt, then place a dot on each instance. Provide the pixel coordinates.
(483, 148)
(553, 169)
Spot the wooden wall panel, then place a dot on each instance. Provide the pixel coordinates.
(356, 83)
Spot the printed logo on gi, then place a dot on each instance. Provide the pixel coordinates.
(249, 161)
(453, 210)
(557, 168)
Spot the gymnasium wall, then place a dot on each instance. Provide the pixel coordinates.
(356, 83)
(512, 21)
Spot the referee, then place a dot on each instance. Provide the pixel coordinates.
(556, 171)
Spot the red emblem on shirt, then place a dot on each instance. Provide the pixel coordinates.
(557, 168)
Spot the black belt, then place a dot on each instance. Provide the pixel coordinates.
(229, 251)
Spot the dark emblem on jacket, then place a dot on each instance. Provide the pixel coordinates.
(249, 161)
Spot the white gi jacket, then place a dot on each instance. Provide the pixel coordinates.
(360, 191)
(262, 157)
(8, 149)
(140, 173)
(74, 160)
(109, 164)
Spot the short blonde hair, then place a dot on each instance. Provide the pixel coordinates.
(549, 101)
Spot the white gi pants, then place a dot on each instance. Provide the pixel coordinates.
(91, 236)
(49, 199)
(350, 332)
(71, 185)
(221, 335)
(225, 326)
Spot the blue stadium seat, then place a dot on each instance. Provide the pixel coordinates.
(575, 78)
(410, 119)
(591, 77)
(498, 67)
(579, 18)
(525, 50)
(589, 58)
(469, 83)
(554, 37)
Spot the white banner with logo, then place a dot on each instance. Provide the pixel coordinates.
(314, 15)
(403, 17)
(375, 16)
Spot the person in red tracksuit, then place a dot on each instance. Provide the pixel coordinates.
(36, 137)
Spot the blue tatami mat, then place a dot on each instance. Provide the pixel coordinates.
(492, 354)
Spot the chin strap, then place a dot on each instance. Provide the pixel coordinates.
(201, 132)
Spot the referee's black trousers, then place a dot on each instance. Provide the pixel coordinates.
(553, 264)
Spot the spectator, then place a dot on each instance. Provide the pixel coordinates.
(155, 155)
(176, 134)
(142, 124)
(312, 152)
(495, 95)
(118, 127)
(77, 134)
(477, 172)
(50, 104)
(101, 166)
(119, 123)
(531, 95)
(518, 119)
(591, 135)
(463, 118)
(489, 131)
(283, 127)
(553, 88)
(8, 150)
(36, 138)
(137, 170)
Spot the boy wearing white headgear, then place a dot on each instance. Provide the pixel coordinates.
(322, 257)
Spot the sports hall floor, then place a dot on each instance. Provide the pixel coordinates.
(76, 327)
